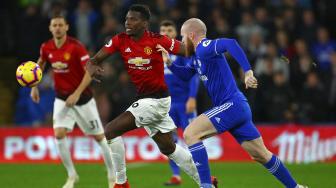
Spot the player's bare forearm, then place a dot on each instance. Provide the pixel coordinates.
(93, 65)
(99, 57)
(84, 83)
(41, 63)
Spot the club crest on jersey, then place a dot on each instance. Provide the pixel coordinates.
(66, 56)
(138, 61)
(206, 43)
(148, 50)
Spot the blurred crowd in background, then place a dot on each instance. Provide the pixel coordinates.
(290, 45)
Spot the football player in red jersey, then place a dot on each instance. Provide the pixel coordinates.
(74, 102)
(144, 64)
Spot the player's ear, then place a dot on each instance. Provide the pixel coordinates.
(146, 24)
(66, 27)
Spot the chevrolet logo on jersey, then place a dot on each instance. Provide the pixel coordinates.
(138, 61)
(59, 65)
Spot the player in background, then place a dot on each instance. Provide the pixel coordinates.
(74, 102)
(144, 64)
(183, 96)
(231, 112)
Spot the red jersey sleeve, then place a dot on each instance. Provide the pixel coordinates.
(82, 54)
(112, 45)
(43, 53)
(171, 45)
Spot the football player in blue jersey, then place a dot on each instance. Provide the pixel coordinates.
(183, 96)
(231, 111)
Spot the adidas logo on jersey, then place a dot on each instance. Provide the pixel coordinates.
(198, 164)
(128, 50)
(217, 119)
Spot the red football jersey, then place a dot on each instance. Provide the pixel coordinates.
(67, 63)
(143, 62)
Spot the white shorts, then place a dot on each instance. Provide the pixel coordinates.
(152, 114)
(86, 116)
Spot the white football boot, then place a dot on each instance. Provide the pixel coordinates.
(70, 183)
(111, 182)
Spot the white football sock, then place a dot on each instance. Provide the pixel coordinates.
(118, 158)
(184, 160)
(65, 156)
(106, 152)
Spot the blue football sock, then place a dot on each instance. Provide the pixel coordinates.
(200, 158)
(276, 167)
(175, 169)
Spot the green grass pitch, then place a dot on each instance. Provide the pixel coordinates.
(152, 175)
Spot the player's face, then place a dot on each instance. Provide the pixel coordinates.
(169, 31)
(187, 41)
(58, 27)
(134, 23)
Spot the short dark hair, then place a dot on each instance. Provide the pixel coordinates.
(142, 9)
(60, 16)
(167, 23)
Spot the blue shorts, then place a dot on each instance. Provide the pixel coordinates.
(234, 116)
(180, 117)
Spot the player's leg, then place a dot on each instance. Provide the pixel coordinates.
(258, 151)
(64, 152)
(88, 120)
(107, 156)
(63, 122)
(123, 123)
(250, 139)
(175, 114)
(196, 131)
(176, 153)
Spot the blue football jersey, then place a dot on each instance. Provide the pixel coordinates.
(213, 69)
(180, 90)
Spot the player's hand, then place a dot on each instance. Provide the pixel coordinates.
(72, 99)
(250, 80)
(165, 54)
(94, 70)
(35, 95)
(191, 105)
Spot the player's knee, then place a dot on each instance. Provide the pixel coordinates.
(60, 133)
(167, 148)
(99, 138)
(189, 138)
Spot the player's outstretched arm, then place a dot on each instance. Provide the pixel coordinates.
(34, 93)
(231, 45)
(74, 97)
(183, 72)
(93, 65)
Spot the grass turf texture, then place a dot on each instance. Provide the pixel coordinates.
(152, 175)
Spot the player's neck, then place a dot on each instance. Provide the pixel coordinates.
(59, 42)
(138, 37)
(199, 41)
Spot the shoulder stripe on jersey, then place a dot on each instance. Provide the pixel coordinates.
(216, 47)
(85, 57)
(172, 45)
